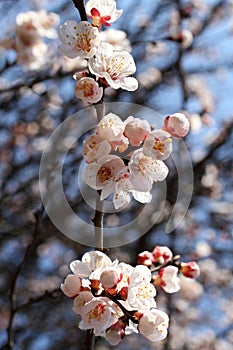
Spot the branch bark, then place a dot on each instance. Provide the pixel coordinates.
(79, 4)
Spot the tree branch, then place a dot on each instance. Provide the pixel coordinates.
(79, 4)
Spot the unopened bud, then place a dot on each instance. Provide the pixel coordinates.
(162, 254)
(190, 269)
(177, 125)
(109, 278)
(145, 258)
(71, 285)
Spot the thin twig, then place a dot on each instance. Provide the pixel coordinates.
(98, 223)
(98, 217)
(79, 4)
(99, 211)
(29, 250)
(52, 294)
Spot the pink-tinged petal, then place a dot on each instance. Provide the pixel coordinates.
(168, 279)
(95, 12)
(90, 176)
(140, 181)
(83, 298)
(94, 147)
(190, 269)
(145, 258)
(142, 166)
(71, 285)
(157, 170)
(98, 314)
(177, 125)
(136, 130)
(162, 254)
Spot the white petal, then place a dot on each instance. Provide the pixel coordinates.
(121, 199)
(80, 269)
(90, 175)
(157, 170)
(68, 32)
(141, 182)
(107, 190)
(142, 197)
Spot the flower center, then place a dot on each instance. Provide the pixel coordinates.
(158, 146)
(115, 67)
(97, 312)
(88, 90)
(84, 42)
(104, 174)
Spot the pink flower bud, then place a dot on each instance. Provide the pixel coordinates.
(71, 285)
(190, 269)
(162, 254)
(109, 278)
(177, 125)
(136, 130)
(124, 293)
(145, 258)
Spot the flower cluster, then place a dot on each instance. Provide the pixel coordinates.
(144, 152)
(107, 67)
(114, 299)
(31, 28)
(166, 266)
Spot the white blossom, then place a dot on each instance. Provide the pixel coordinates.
(88, 90)
(158, 145)
(102, 12)
(99, 314)
(145, 170)
(102, 175)
(141, 292)
(78, 39)
(94, 148)
(90, 262)
(114, 66)
(153, 325)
